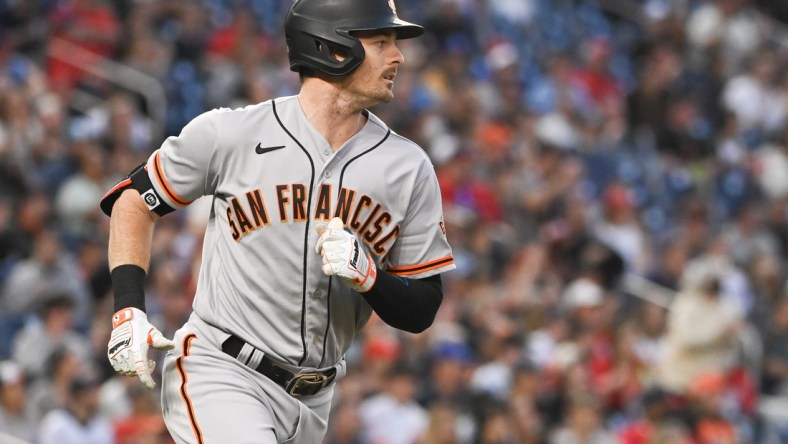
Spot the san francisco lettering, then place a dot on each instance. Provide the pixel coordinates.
(362, 214)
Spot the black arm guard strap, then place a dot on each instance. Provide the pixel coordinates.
(128, 286)
(139, 180)
(406, 304)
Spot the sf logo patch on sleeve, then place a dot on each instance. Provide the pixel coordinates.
(151, 199)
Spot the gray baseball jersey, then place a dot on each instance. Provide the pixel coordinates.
(273, 176)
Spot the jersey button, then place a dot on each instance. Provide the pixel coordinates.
(318, 294)
(327, 173)
(327, 151)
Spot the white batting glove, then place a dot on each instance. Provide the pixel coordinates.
(127, 350)
(343, 256)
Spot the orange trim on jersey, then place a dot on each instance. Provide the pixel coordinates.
(166, 185)
(187, 342)
(121, 184)
(421, 268)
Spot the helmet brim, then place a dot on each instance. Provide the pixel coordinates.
(404, 30)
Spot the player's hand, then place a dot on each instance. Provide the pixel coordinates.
(344, 257)
(131, 337)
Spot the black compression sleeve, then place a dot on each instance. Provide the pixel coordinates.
(128, 285)
(406, 304)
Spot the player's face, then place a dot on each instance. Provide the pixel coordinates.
(373, 81)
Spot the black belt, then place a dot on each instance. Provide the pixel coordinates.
(296, 384)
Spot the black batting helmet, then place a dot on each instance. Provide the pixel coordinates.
(315, 28)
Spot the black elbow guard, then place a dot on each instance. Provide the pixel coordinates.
(140, 181)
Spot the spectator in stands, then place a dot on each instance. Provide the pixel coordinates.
(755, 96)
(723, 26)
(594, 78)
(496, 425)
(656, 423)
(39, 339)
(18, 417)
(673, 258)
(746, 235)
(75, 201)
(768, 287)
(379, 356)
(144, 423)
(773, 398)
(620, 228)
(648, 323)
(49, 270)
(449, 371)
(31, 218)
(50, 390)
(705, 404)
(583, 424)
(345, 425)
(548, 177)
(775, 365)
(78, 422)
(701, 330)
(527, 399)
(494, 375)
(443, 426)
(392, 416)
(461, 187)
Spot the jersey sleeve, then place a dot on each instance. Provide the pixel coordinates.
(422, 249)
(180, 169)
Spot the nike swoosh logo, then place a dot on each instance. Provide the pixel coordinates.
(260, 150)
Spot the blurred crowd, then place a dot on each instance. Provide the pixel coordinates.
(615, 188)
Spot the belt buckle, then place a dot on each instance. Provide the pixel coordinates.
(306, 384)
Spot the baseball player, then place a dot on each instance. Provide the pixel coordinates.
(321, 215)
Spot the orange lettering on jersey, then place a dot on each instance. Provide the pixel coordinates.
(369, 219)
(241, 217)
(282, 200)
(344, 204)
(380, 246)
(299, 196)
(383, 219)
(323, 211)
(257, 206)
(236, 234)
(364, 202)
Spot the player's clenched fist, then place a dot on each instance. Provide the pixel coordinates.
(343, 256)
(127, 350)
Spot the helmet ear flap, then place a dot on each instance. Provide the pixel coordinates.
(308, 48)
(331, 51)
